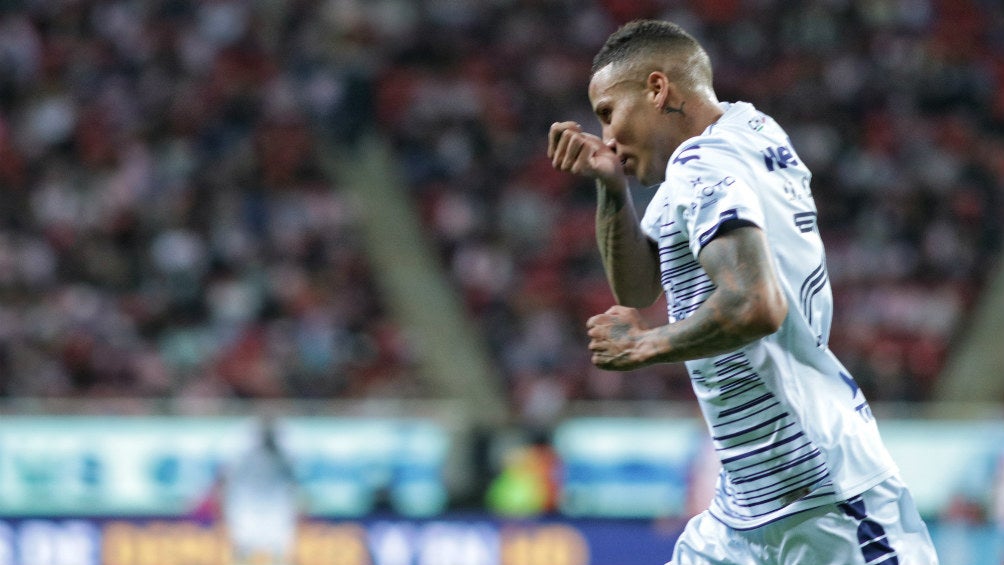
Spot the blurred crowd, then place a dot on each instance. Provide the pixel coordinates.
(169, 227)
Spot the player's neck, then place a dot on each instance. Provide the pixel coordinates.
(703, 111)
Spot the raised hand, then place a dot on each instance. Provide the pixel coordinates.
(575, 151)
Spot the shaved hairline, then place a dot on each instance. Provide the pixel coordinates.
(689, 68)
(642, 46)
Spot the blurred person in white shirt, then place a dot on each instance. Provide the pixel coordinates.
(260, 503)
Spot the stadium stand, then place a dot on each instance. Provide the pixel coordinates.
(167, 230)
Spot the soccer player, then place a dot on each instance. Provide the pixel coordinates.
(731, 237)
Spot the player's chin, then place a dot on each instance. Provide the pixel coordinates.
(649, 178)
(628, 168)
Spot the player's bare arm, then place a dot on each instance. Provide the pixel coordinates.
(747, 304)
(630, 259)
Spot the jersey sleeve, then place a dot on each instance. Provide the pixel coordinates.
(655, 213)
(719, 189)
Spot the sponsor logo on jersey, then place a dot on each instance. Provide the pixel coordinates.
(780, 157)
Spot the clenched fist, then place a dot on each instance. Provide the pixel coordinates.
(616, 339)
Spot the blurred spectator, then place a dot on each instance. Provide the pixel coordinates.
(529, 481)
(260, 502)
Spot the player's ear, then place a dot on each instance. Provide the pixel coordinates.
(662, 92)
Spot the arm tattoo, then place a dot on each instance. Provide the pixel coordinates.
(741, 271)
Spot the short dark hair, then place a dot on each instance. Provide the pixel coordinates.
(653, 37)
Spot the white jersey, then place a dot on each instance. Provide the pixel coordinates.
(791, 427)
(260, 503)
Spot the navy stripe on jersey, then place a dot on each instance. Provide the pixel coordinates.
(872, 539)
(813, 285)
(780, 456)
(723, 217)
(726, 507)
(805, 221)
(687, 285)
(761, 409)
(767, 460)
(760, 450)
(813, 473)
(790, 493)
(748, 430)
(750, 404)
(785, 486)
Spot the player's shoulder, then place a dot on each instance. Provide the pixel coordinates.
(708, 151)
(740, 127)
(739, 135)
